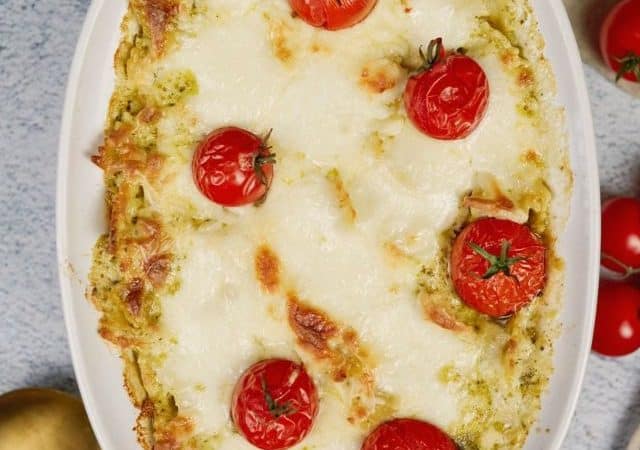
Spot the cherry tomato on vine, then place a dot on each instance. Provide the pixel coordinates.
(620, 40)
(274, 404)
(621, 235)
(408, 434)
(498, 266)
(233, 167)
(332, 14)
(448, 96)
(617, 330)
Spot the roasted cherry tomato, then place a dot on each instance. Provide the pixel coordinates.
(498, 266)
(408, 434)
(448, 96)
(620, 40)
(233, 167)
(274, 404)
(333, 14)
(621, 235)
(617, 330)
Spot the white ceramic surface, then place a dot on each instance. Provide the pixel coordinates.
(80, 220)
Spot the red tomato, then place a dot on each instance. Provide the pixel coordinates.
(448, 97)
(233, 167)
(498, 266)
(274, 404)
(617, 330)
(408, 434)
(621, 235)
(620, 39)
(333, 14)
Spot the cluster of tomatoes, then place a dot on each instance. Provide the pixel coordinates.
(497, 266)
(275, 403)
(617, 330)
(446, 99)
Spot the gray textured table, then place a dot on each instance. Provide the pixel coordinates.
(37, 40)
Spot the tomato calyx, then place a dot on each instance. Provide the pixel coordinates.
(435, 52)
(261, 160)
(276, 409)
(629, 64)
(263, 157)
(501, 263)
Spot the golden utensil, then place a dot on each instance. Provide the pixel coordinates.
(635, 441)
(44, 419)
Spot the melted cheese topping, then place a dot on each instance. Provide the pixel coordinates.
(358, 205)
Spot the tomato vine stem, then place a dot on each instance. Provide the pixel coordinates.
(628, 270)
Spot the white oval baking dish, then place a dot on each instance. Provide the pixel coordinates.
(80, 219)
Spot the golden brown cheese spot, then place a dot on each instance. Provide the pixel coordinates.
(358, 412)
(439, 315)
(339, 347)
(312, 327)
(145, 231)
(344, 200)
(531, 157)
(395, 255)
(406, 6)
(144, 424)
(489, 198)
(525, 77)
(509, 353)
(267, 267)
(325, 339)
(380, 75)
(116, 210)
(147, 409)
(317, 47)
(133, 297)
(157, 268)
(107, 332)
(174, 433)
(120, 154)
(508, 57)
(114, 139)
(490, 205)
(280, 38)
(158, 14)
(148, 247)
(166, 444)
(146, 427)
(149, 114)
(350, 337)
(393, 251)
